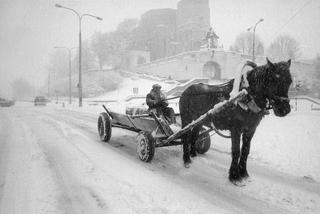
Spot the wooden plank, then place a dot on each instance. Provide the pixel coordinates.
(138, 124)
(145, 124)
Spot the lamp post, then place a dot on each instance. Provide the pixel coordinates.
(253, 40)
(80, 16)
(69, 52)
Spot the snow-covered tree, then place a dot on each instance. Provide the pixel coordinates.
(244, 44)
(284, 47)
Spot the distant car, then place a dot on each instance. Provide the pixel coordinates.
(6, 102)
(40, 101)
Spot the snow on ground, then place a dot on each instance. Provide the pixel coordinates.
(276, 141)
(51, 161)
(72, 173)
(290, 144)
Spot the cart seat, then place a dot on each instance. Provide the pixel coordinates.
(224, 88)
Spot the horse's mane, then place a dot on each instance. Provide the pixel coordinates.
(257, 77)
(262, 76)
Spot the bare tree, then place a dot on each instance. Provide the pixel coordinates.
(284, 47)
(127, 25)
(98, 45)
(58, 70)
(109, 47)
(244, 44)
(58, 64)
(88, 58)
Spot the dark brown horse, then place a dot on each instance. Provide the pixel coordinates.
(267, 88)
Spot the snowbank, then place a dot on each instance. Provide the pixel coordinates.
(126, 88)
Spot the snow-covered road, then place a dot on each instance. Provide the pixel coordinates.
(52, 161)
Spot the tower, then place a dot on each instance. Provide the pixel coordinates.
(193, 21)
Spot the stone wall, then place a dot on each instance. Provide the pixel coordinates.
(186, 66)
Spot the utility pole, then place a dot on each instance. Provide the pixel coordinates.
(80, 16)
(69, 54)
(253, 39)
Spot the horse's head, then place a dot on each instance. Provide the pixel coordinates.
(277, 86)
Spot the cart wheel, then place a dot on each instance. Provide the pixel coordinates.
(104, 127)
(145, 146)
(203, 144)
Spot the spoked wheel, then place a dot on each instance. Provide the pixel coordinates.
(203, 143)
(104, 127)
(145, 146)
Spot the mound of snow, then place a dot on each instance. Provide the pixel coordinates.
(291, 144)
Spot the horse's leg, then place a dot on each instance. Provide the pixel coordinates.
(246, 139)
(194, 137)
(185, 120)
(234, 168)
(186, 150)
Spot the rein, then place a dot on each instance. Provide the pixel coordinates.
(281, 98)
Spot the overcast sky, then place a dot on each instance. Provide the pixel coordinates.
(29, 29)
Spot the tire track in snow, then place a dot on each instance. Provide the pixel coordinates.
(128, 202)
(30, 186)
(79, 198)
(164, 159)
(209, 174)
(4, 149)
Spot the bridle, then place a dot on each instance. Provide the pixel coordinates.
(270, 100)
(273, 99)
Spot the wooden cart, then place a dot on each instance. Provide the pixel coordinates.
(154, 131)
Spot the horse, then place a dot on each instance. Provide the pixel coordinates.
(267, 86)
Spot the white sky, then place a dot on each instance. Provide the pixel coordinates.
(29, 29)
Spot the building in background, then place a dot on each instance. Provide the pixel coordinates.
(155, 31)
(167, 32)
(193, 22)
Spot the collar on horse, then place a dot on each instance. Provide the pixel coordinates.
(241, 82)
(248, 104)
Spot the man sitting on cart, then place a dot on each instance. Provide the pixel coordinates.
(158, 104)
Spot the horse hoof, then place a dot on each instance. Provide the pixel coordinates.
(247, 179)
(238, 183)
(244, 176)
(187, 165)
(234, 178)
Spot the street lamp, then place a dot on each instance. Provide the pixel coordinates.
(80, 16)
(253, 40)
(69, 52)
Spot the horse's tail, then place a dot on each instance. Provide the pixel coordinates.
(239, 74)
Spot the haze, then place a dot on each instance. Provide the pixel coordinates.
(30, 29)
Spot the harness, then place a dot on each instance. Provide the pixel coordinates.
(273, 99)
(248, 104)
